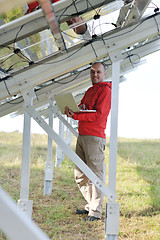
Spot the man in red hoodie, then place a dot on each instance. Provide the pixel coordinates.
(91, 140)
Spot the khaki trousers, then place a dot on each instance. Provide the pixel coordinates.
(91, 150)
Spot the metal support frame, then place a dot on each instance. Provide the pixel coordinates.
(132, 34)
(35, 22)
(65, 122)
(112, 208)
(50, 16)
(68, 137)
(24, 203)
(71, 154)
(49, 167)
(59, 150)
(15, 223)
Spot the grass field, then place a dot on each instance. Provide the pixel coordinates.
(138, 189)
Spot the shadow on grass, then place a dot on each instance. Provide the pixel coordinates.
(145, 157)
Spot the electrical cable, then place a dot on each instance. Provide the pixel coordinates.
(61, 59)
(75, 6)
(68, 81)
(118, 35)
(94, 50)
(6, 87)
(6, 59)
(154, 4)
(10, 68)
(89, 42)
(157, 26)
(21, 55)
(131, 55)
(79, 38)
(104, 24)
(66, 10)
(18, 33)
(93, 7)
(13, 102)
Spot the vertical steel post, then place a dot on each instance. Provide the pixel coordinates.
(59, 152)
(68, 138)
(48, 175)
(24, 203)
(112, 208)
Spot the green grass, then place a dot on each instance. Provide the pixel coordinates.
(138, 189)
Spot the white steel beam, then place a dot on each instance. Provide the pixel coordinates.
(71, 154)
(83, 80)
(49, 167)
(24, 203)
(78, 56)
(112, 217)
(68, 138)
(15, 223)
(62, 119)
(59, 150)
(132, 12)
(35, 22)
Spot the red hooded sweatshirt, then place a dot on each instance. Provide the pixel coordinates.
(97, 97)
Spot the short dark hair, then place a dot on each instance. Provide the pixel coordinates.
(104, 66)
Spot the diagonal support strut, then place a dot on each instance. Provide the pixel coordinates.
(71, 154)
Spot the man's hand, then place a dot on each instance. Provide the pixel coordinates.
(68, 112)
(82, 107)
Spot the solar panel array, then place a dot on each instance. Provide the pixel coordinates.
(31, 58)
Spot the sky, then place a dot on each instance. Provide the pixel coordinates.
(139, 105)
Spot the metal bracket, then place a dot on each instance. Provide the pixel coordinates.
(115, 56)
(87, 171)
(26, 206)
(112, 218)
(48, 171)
(59, 115)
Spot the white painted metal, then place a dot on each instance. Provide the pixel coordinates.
(15, 223)
(24, 202)
(68, 138)
(49, 167)
(35, 22)
(114, 126)
(112, 237)
(26, 206)
(112, 221)
(59, 150)
(65, 122)
(112, 218)
(135, 11)
(114, 41)
(71, 154)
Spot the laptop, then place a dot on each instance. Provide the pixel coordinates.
(68, 100)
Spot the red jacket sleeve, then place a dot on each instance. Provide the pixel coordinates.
(102, 107)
